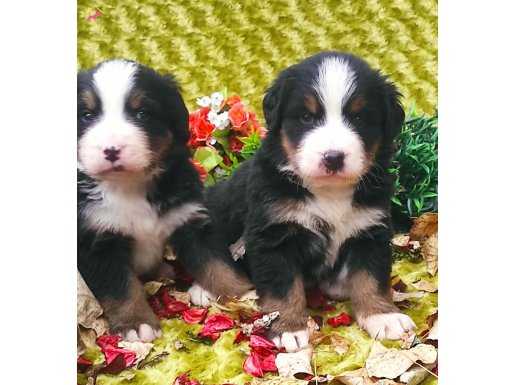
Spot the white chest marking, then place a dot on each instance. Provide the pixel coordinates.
(128, 212)
(337, 210)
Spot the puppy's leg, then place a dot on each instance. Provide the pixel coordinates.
(368, 285)
(104, 262)
(374, 309)
(209, 261)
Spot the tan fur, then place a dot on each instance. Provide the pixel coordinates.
(222, 281)
(130, 312)
(357, 104)
(136, 99)
(292, 309)
(89, 99)
(366, 297)
(311, 104)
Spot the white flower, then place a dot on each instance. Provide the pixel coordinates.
(220, 121)
(212, 141)
(216, 100)
(204, 101)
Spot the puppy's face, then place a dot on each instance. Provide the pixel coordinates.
(332, 113)
(128, 118)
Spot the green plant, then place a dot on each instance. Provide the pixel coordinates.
(415, 166)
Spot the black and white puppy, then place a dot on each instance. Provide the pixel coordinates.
(312, 207)
(138, 191)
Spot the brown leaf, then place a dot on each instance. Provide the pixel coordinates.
(182, 296)
(399, 297)
(289, 364)
(355, 377)
(430, 253)
(424, 226)
(338, 342)
(425, 286)
(401, 240)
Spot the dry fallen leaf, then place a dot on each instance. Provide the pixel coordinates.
(169, 255)
(140, 348)
(245, 306)
(288, 364)
(424, 226)
(338, 342)
(152, 287)
(433, 332)
(415, 375)
(182, 296)
(430, 253)
(425, 286)
(355, 377)
(391, 363)
(401, 240)
(399, 297)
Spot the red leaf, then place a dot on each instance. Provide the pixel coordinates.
(240, 337)
(194, 316)
(116, 359)
(268, 363)
(215, 324)
(260, 342)
(176, 307)
(83, 364)
(252, 365)
(342, 319)
(184, 379)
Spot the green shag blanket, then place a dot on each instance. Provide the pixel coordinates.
(242, 45)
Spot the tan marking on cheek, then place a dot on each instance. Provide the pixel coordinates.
(223, 281)
(288, 147)
(292, 309)
(129, 312)
(136, 99)
(311, 104)
(89, 100)
(371, 156)
(357, 104)
(366, 297)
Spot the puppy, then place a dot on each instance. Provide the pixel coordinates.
(312, 207)
(138, 191)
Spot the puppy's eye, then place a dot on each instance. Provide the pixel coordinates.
(142, 115)
(87, 116)
(357, 118)
(307, 118)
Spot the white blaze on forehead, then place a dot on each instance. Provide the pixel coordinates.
(113, 81)
(335, 84)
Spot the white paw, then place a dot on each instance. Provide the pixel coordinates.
(389, 326)
(145, 333)
(200, 296)
(292, 341)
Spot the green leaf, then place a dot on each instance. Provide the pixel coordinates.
(208, 157)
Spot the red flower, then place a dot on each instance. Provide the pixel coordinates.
(238, 117)
(232, 100)
(256, 126)
(215, 324)
(341, 320)
(200, 127)
(184, 379)
(194, 316)
(116, 359)
(200, 169)
(235, 145)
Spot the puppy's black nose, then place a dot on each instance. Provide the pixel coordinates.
(333, 160)
(112, 154)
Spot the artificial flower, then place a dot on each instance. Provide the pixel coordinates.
(204, 101)
(217, 99)
(238, 116)
(235, 144)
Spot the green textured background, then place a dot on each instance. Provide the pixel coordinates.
(242, 45)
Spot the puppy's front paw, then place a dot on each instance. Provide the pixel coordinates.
(144, 333)
(292, 341)
(389, 326)
(199, 296)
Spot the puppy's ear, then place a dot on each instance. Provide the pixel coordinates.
(394, 113)
(273, 102)
(177, 111)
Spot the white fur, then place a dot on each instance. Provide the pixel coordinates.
(145, 333)
(113, 81)
(390, 326)
(199, 296)
(334, 86)
(292, 341)
(125, 209)
(334, 207)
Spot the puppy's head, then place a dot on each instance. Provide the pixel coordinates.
(331, 114)
(129, 118)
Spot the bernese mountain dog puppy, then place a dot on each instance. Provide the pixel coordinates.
(312, 207)
(137, 192)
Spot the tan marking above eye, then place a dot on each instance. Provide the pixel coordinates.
(357, 104)
(311, 104)
(136, 99)
(89, 99)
